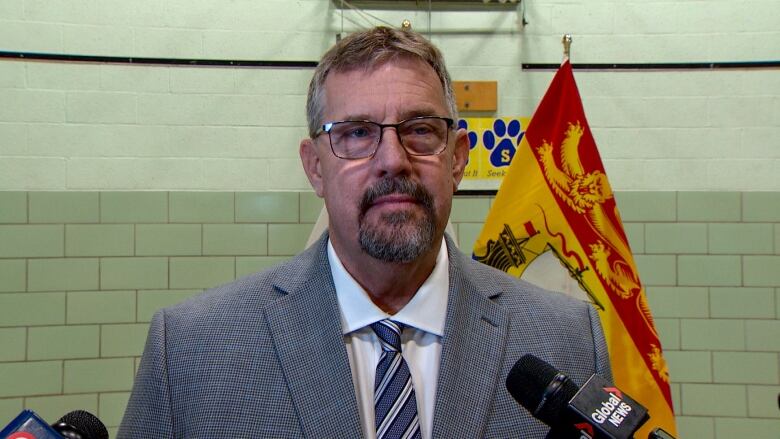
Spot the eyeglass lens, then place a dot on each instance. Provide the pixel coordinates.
(359, 139)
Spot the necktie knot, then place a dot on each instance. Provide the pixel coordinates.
(389, 333)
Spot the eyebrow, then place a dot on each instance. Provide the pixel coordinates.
(404, 115)
(360, 116)
(420, 112)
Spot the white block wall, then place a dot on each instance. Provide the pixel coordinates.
(75, 126)
(91, 126)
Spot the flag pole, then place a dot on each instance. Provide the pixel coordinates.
(566, 40)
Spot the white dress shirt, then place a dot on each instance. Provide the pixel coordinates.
(420, 342)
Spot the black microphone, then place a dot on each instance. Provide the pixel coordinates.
(598, 410)
(659, 433)
(78, 424)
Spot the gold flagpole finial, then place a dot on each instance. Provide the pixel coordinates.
(406, 24)
(566, 40)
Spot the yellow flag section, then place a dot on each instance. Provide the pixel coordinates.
(555, 218)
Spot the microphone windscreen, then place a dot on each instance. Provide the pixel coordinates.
(532, 382)
(86, 423)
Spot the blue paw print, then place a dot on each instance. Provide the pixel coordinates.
(462, 124)
(509, 137)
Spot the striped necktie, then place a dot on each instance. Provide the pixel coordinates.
(394, 399)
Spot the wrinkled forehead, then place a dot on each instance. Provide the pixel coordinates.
(361, 80)
(370, 66)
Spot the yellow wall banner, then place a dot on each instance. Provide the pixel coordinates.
(493, 143)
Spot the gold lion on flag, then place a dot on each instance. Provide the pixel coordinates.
(555, 208)
(586, 192)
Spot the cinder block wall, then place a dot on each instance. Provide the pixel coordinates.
(710, 262)
(176, 179)
(83, 272)
(71, 126)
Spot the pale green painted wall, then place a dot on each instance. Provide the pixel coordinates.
(135, 127)
(208, 160)
(83, 272)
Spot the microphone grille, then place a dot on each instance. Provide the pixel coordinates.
(85, 422)
(528, 381)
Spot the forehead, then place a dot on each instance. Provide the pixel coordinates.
(403, 87)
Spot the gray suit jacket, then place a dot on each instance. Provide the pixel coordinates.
(264, 357)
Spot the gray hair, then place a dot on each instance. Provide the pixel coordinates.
(367, 50)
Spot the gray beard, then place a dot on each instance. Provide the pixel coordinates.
(405, 240)
(400, 238)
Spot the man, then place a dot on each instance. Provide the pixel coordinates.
(311, 348)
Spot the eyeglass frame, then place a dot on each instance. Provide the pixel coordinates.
(327, 127)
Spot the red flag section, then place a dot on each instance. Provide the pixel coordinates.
(555, 221)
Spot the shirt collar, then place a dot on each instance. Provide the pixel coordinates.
(426, 311)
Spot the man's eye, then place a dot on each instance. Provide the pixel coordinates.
(357, 132)
(420, 129)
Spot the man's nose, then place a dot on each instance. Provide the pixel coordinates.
(391, 156)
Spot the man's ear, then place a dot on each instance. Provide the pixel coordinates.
(311, 165)
(460, 157)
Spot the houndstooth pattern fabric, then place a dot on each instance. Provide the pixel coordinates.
(264, 357)
(395, 403)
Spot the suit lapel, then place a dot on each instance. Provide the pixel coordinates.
(472, 355)
(306, 329)
(305, 326)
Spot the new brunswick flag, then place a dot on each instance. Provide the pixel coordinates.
(555, 222)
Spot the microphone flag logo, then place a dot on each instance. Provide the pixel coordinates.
(613, 414)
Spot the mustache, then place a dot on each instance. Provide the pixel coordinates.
(399, 185)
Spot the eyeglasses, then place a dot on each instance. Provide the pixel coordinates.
(358, 139)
